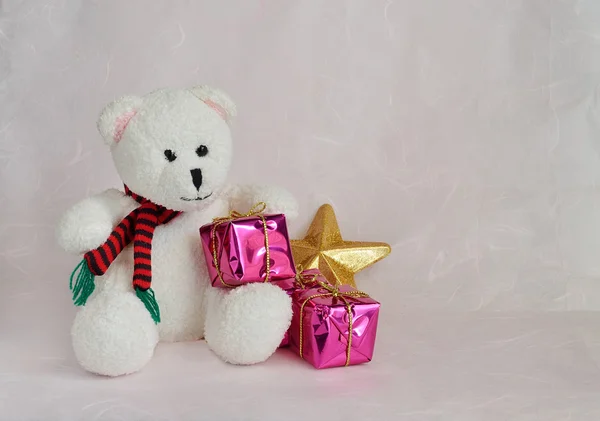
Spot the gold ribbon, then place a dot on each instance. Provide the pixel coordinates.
(332, 291)
(255, 210)
(301, 279)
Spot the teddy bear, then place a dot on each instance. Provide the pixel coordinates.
(173, 150)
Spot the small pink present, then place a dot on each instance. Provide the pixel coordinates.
(303, 279)
(333, 326)
(246, 248)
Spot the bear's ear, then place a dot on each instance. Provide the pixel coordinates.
(115, 117)
(217, 100)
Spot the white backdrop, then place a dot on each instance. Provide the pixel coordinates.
(466, 134)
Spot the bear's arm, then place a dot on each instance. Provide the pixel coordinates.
(278, 200)
(89, 223)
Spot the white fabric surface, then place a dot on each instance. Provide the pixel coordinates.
(463, 133)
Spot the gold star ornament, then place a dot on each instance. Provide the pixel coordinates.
(323, 248)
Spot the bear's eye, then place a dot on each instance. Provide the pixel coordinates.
(202, 150)
(170, 155)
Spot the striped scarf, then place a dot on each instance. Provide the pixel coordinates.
(138, 227)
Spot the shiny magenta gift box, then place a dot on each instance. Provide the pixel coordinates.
(333, 326)
(242, 249)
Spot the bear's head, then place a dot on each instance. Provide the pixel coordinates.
(172, 146)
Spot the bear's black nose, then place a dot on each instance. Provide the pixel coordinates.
(197, 177)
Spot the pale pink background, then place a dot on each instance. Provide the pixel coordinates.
(464, 133)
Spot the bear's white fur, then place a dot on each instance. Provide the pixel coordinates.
(113, 334)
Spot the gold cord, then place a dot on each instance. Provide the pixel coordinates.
(303, 280)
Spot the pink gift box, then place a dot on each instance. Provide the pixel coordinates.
(290, 285)
(241, 251)
(321, 323)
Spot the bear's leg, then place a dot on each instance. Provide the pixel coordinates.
(114, 334)
(246, 325)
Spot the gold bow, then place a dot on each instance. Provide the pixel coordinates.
(301, 279)
(332, 291)
(255, 210)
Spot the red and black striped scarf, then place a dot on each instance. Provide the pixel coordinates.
(138, 227)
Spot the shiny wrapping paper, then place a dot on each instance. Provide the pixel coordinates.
(241, 250)
(319, 331)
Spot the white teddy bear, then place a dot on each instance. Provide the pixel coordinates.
(173, 149)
